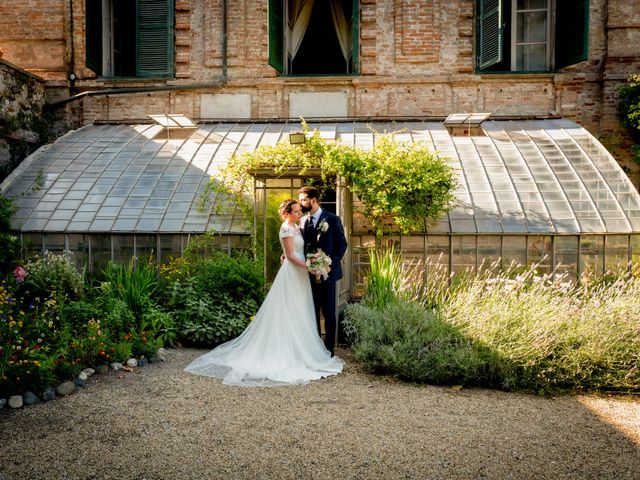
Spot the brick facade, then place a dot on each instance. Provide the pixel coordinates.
(416, 59)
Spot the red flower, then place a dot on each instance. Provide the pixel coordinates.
(19, 273)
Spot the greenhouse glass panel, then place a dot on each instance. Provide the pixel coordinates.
(540, 252)
(566, 256)
(32, 244)
(616, 252)
(170, 247)
(54, 243)
(78, 245)
(591, 256)
(146, 248)
(123, 250)
(635, 249)
(100, 246)
(514, 251)
(239, 243)
(489, 251)
(463, 249)
(437, 256)
(360, 246)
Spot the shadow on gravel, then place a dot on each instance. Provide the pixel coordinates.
(162, 423)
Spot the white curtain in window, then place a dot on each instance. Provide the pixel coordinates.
(343, 28)
(299, 15)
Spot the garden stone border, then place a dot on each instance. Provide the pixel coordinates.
(69, 387)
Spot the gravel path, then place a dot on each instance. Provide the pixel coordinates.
(162, 423)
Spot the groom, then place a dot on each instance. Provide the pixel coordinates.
(323, 230)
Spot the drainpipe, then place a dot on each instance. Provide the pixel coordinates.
(71, 74)
(224, 39)
(220, 82)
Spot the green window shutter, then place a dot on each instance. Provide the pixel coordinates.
(93, 38)
(356, 34)
(276, 34)
(154, 38)
(572, 32)
(489, 33)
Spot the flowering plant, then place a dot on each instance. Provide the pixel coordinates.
(323, 226)
(319, 263)
(19, 273)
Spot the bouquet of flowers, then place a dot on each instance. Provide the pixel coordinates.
(319, 263)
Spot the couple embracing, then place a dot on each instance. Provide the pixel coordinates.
(282, 345)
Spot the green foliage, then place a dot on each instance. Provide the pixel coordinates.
(629, 110)
(134, 284)
(519, 332)
(401, 181)
(385, 279)
(10, 243)
(629, 103)
(212, 299)
(160, 326)
(416, 344)
(53, 273)
(404, 181)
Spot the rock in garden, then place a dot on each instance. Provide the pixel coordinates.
(116, 366)
(15, 401)
(30, 398)
(102, 369)
(49, 394)
(80, 383)
(83, 376)
(88, 371)
(3, 402)
(161, 354)
(143, 362)
(132, 363)
(66, 388)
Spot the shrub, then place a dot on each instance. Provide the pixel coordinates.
(416, 344)
(211, 300)
(53, 273)
(160, 326)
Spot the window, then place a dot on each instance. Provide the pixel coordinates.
(130, 38)
(308, 37)
(531, 35)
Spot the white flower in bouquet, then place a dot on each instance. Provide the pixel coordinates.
(319, 263)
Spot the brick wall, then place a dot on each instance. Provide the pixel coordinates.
(416, 59)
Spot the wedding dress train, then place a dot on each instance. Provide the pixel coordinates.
(281, 345)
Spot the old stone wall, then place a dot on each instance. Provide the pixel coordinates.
(22, 127)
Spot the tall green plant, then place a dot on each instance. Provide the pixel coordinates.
(134, 283)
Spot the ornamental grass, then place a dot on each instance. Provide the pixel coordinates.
(524, 332)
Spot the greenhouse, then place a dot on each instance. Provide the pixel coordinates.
(530, 191)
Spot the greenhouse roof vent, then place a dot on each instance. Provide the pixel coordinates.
(175, 125)
(465, 124)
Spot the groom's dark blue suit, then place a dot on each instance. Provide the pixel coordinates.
(332, 242)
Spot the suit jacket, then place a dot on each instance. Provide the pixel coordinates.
(332, 241)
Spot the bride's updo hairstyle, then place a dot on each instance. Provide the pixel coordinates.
(286, 206)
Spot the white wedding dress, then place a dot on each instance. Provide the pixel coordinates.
(281, 346)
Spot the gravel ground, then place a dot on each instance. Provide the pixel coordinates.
(161, 423)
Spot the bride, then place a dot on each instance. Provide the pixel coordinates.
(281, 345)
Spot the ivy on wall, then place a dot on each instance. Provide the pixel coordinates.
(629, 110)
